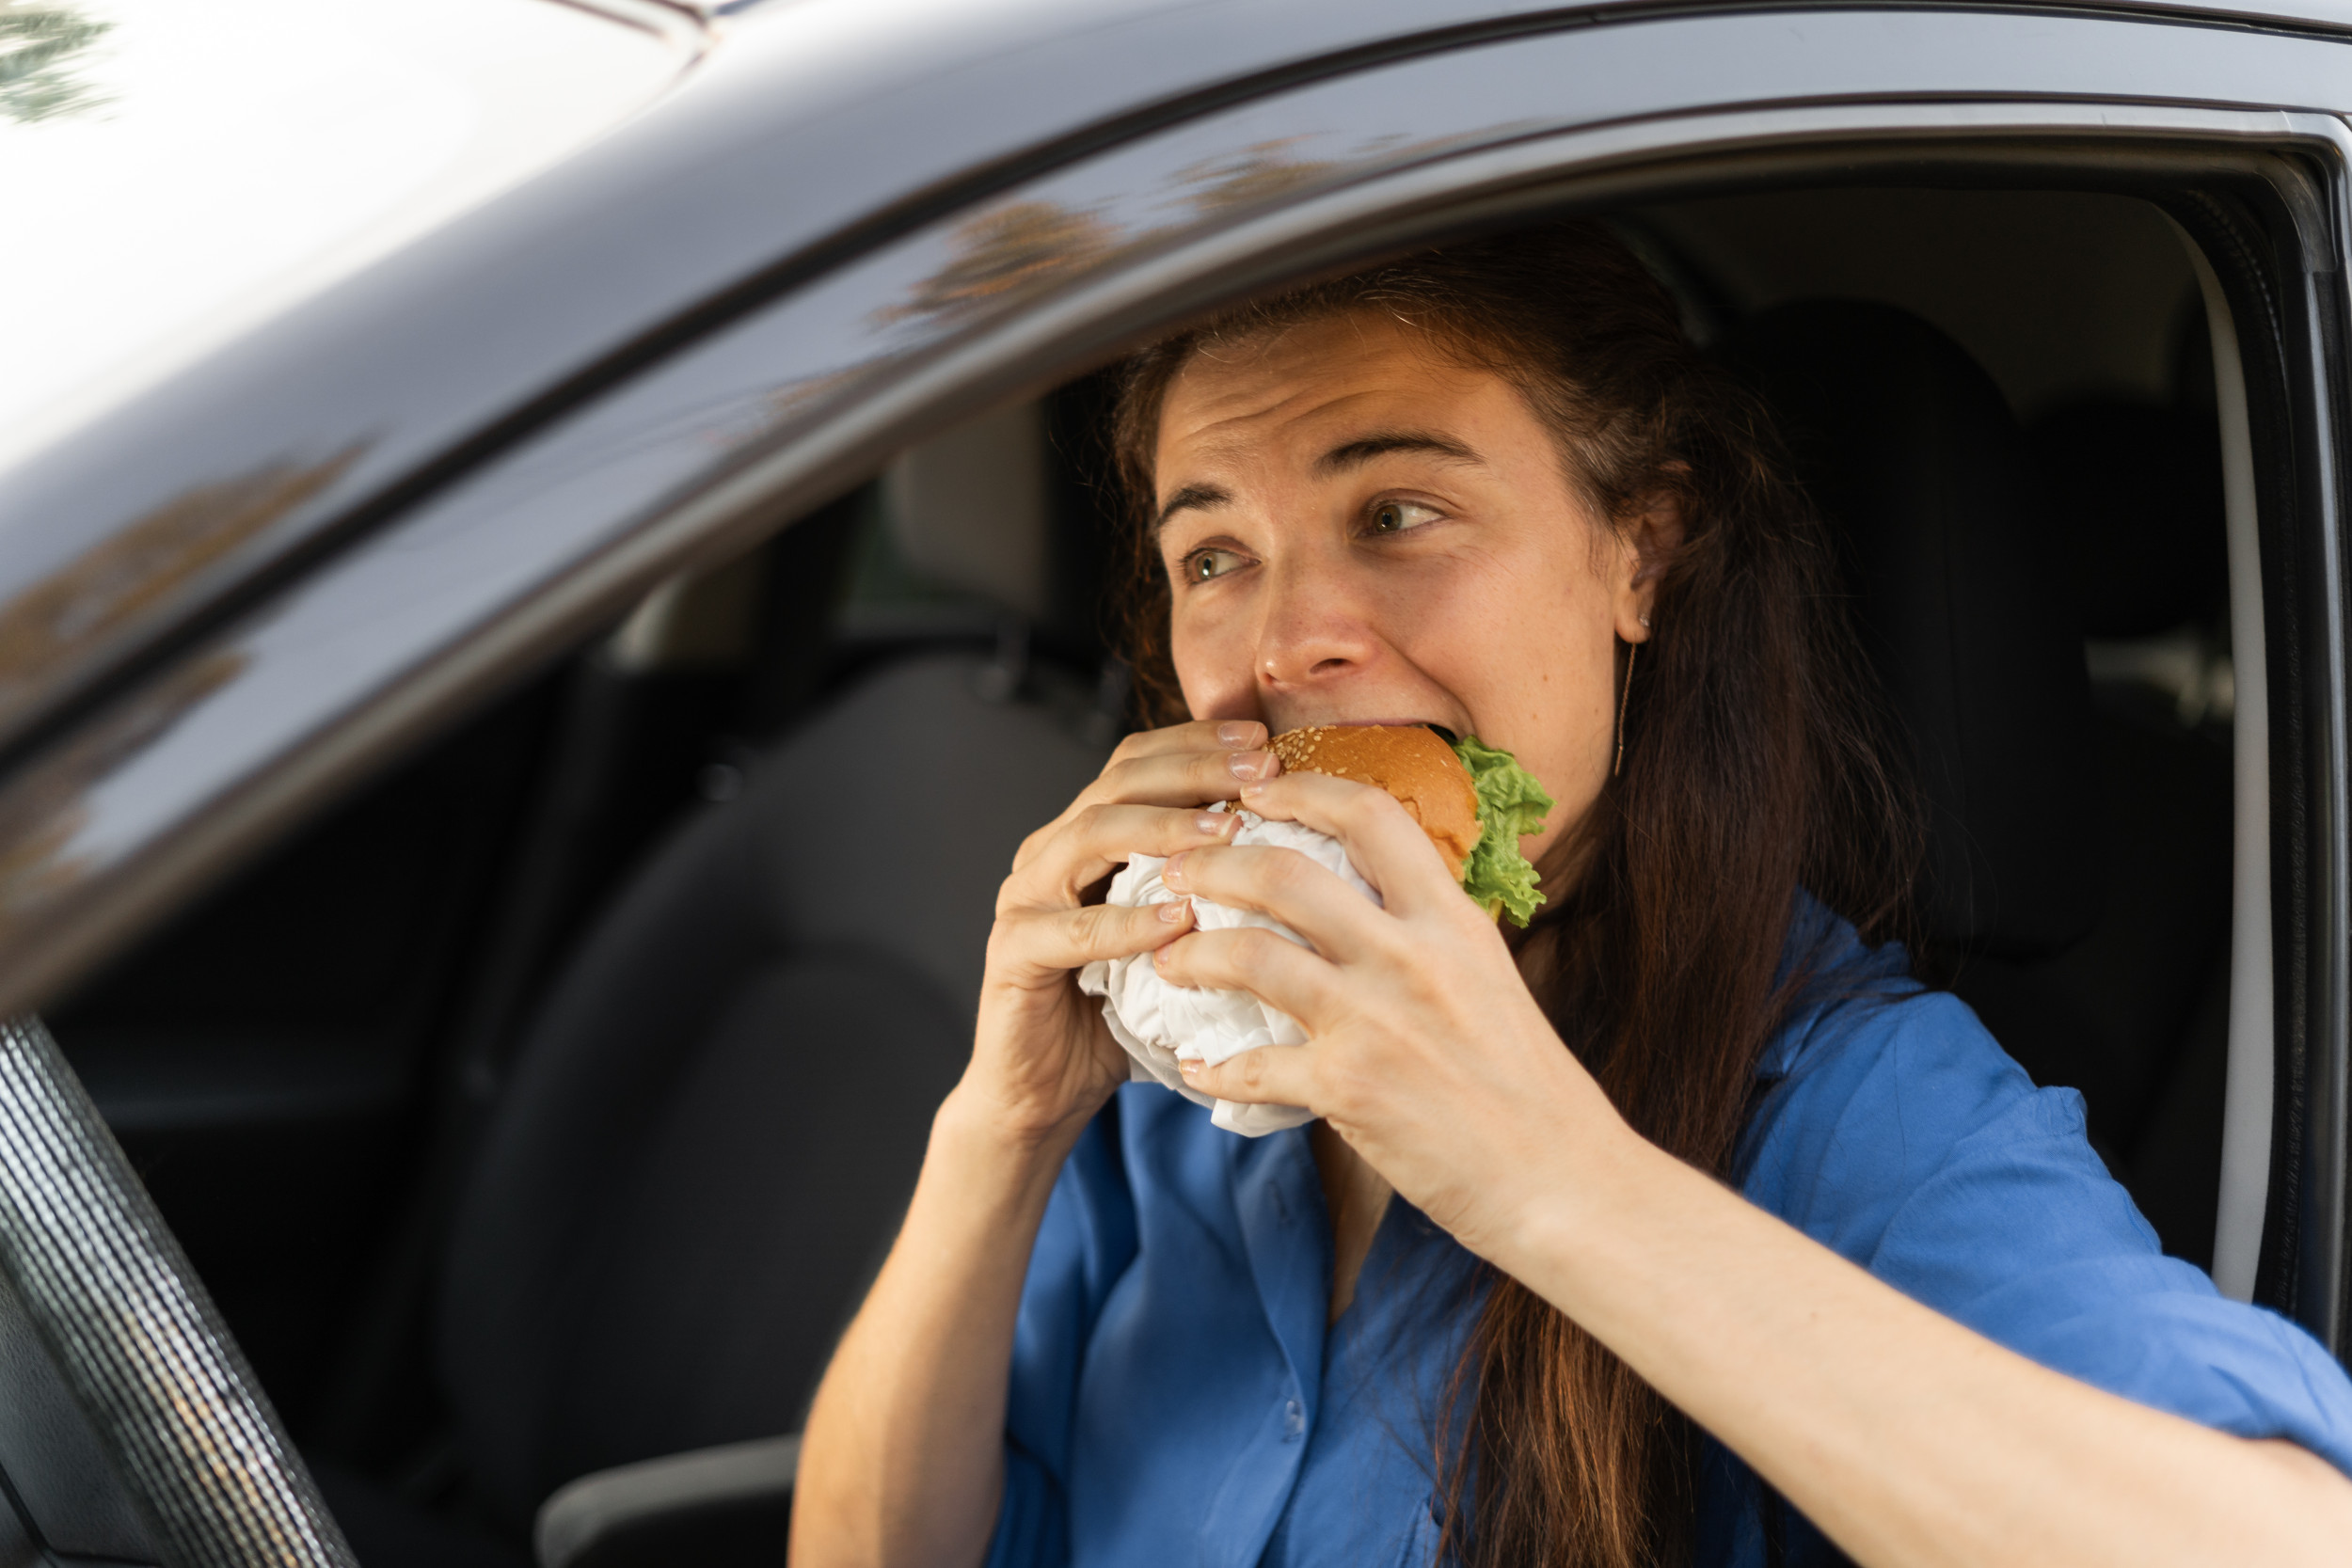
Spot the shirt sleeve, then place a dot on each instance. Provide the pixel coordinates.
(1085, 1242)
(1905, 1139)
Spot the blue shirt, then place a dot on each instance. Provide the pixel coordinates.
(1176, 1398)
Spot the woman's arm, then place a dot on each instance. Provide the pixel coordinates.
(1903, 1435)
(903, 1457)
(902, 1461)
(1909, 1439)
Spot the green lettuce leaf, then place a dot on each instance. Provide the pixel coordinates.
(1510, 802)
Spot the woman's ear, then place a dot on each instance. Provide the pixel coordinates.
(1652, 535)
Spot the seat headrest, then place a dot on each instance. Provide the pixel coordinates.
(2139, 485)
(1964, 608)
(971, 509)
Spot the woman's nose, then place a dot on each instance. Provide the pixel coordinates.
(1314, 632)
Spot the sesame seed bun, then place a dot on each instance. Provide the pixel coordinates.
(1411, 762)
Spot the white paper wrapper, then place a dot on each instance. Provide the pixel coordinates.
(1160, 1023)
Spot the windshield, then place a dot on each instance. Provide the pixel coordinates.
(172, 172)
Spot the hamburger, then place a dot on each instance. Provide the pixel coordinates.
(1473, 800)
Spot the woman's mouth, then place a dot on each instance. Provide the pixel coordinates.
(1450, 736)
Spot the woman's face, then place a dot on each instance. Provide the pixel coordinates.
(1358, 531)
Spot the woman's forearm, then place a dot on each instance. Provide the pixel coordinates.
(1909, 1439)
(903, 1458)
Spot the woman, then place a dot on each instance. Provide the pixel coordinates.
(1581, 1219)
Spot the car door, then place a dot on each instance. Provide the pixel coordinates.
(824, 253)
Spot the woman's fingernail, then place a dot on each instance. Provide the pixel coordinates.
(1214, 823)
(1173, 872)
(1251, 791)
(1175, 910)
(1187, 1065)
(1242, 733)
(1252, 764)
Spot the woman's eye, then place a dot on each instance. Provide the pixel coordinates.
(1396, 517)
(1202, 564)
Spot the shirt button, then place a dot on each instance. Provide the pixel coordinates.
(1294, 1420)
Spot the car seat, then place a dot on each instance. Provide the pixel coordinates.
(716, 1118)
(2077, 891)
(2136, 1015)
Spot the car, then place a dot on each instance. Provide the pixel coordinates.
(532, 624)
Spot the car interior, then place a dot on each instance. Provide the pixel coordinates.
(544, 1107)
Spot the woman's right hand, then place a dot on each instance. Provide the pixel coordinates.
(1043, 1061)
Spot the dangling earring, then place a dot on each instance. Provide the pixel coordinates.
(1624, 701)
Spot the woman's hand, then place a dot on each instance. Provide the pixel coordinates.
(1043, 1061)
(1426, 1053)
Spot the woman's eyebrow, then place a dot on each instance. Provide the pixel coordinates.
(1192, 497)
(1356, 453)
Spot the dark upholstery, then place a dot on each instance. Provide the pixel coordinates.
(2146, 996)
(2109, 1016)
(719, 1114)
(2080, 845)
(1913, 455)
(2136, 1016)
(2137, 488)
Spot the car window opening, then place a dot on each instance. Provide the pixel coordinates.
(372, 986)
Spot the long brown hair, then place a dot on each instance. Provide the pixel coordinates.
(1753, 767)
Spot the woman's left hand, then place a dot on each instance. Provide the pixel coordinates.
(1427, 1051)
